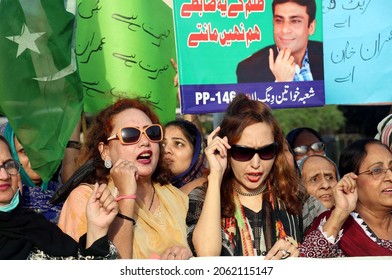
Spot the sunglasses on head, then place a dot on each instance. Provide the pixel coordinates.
(316, 147)
(242, 153)
(131, 135)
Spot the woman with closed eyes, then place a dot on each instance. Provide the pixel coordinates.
(251, 205)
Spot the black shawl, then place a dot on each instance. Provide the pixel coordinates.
(21, 230)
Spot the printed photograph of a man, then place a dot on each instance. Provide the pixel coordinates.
(293, 57)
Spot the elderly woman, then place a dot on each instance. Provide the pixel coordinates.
(360, 224)
(36, 192)
(25, 234)
(319, 175)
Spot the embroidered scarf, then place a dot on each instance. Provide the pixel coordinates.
(273, 227)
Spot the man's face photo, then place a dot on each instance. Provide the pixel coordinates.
(292, 28)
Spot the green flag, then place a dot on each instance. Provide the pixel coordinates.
(40, 89)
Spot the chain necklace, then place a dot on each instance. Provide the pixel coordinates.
(152, 199)
(257, 192)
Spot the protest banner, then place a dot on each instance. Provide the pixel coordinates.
(214, 36)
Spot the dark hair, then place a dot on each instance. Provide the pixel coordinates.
(353, 155)
(198, 163)
(189, 130)
(293, 134)
(309, 4)
(100, 130)
(241, 113)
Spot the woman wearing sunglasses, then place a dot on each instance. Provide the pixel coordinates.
(250, 206)
(25, 234)
(305, 141)
(122, 149)
(360, 224)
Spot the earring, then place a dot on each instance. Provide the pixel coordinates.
(108, 163)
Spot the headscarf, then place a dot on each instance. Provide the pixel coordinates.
(9, 135)
(198, 163)
(301, 163)
(312, 206)
(384, 131)
(292, 135)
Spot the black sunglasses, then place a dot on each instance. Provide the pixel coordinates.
(242, 153)
(132, 135)
(316, 147)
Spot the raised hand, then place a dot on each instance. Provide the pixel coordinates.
(101, 210)
(101, 207)
(125, 175)
(346, 194)
(216, 152)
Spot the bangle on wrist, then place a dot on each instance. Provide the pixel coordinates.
(129, 196)
(126, 218)
(74, 145)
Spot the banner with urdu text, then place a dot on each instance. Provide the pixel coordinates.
(124, 49)
(358, 51)
(213, 36)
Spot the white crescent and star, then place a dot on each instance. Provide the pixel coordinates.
(26, 40)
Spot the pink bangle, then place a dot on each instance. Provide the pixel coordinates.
(129, 196)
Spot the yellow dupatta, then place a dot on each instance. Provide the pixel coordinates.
(155, 232)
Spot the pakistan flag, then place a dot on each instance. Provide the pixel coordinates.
(40, 89)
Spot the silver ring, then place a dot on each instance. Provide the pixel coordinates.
(285, 254)
(173, 254)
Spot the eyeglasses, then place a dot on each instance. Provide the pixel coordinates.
(11, 167)
(316, 147)
(242, 153)
(378, 173)
(132, 135)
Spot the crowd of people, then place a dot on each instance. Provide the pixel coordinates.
(139, 189)
(146, 190)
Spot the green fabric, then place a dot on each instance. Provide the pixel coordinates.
(124, 48)
(40, 89)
